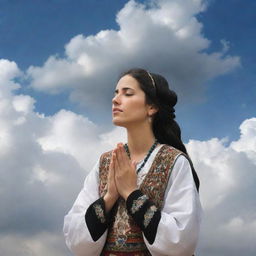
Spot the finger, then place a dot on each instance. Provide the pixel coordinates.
(117, 151)
(116, 164)
(111, 166)
(118, 156)
(114, 161)
(122, 160)
(122, 156)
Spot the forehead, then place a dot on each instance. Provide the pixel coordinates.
(128, 81)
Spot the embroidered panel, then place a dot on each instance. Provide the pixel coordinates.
(103, 172)
(149, 215)
(156, 180)
(136, 205)
(124, 235)
(99, 213)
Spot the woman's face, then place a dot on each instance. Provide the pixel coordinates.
(130, 100)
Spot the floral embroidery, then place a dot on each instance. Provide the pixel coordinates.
(136, 204)
(151, 183)
(99, 212)
(121, 224)
(149, 215)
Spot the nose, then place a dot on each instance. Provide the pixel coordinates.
(116, 100)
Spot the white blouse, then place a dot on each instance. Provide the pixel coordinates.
(178, 229)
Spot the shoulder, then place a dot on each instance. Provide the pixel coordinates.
(169, 148)
(182, 171)
(181, 161)
(172, 152)
(105, 156)
(107, 153)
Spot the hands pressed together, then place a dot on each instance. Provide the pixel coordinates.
(122, 176)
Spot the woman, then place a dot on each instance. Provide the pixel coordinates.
(141, 198)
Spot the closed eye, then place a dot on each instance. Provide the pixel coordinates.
(125, 89)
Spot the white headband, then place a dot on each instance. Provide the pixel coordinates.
(153, 82)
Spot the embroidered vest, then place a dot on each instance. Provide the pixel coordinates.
(124, 236)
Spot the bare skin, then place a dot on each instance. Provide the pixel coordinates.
(135, 117)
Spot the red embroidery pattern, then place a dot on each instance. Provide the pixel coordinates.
(124, 236)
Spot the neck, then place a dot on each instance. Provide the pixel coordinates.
(140, 139)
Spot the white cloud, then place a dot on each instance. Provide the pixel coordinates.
(43, 243)
(228, 174)
(44, 160)
(247, 140)
(225, 45)
(23, 103)
(162, 36)
(8, 71)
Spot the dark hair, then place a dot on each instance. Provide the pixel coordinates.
(165, 128)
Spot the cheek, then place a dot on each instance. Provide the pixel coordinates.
(137, 107)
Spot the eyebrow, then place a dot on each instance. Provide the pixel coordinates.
(124, 89)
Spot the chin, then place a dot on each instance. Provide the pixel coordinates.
(118, 123)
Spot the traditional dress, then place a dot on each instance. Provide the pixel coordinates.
(162, 217)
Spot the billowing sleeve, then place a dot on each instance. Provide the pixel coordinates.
(174, 230)
(76, 230)
(178, 228)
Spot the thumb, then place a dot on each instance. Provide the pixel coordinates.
(111, 166)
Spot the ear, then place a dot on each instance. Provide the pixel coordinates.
(152, 109)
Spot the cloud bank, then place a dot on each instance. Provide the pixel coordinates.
(162, 36)
(228, 176)
(44, 160)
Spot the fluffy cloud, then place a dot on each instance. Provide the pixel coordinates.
(8, 71)
(45, 243)
(228, 178)
(162, 36)
(44, 160)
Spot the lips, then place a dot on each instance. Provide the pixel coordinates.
(116, 110)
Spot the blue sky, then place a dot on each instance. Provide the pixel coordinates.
(59, 63)
(31, 32)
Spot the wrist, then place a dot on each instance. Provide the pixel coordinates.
(110, 198)
(126, 195)
(134, 196)
(109, 201)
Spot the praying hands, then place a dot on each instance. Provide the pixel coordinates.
(122, 176)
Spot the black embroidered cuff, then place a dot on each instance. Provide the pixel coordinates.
(96, 219)
(145, 214)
